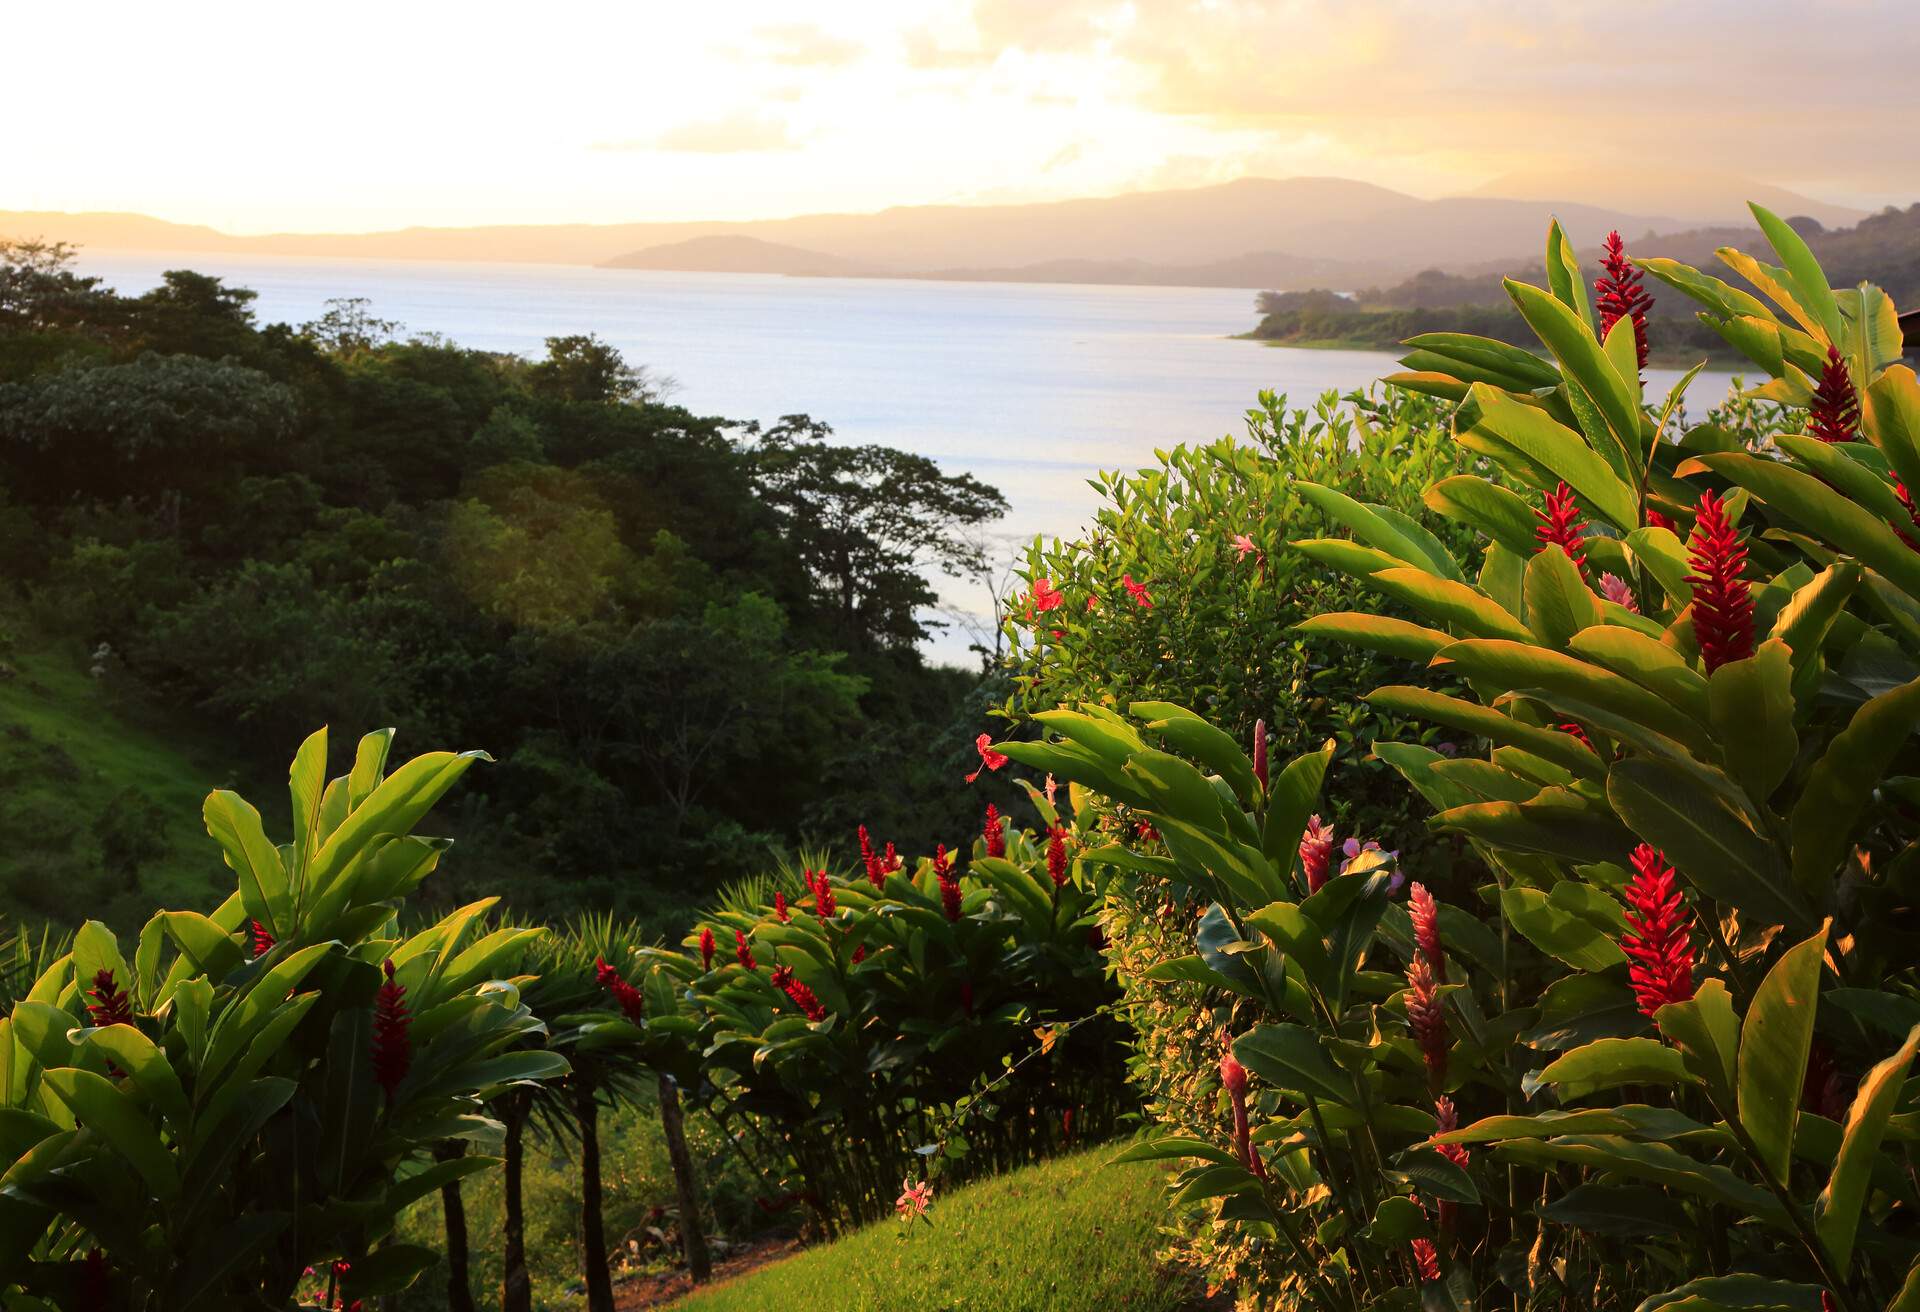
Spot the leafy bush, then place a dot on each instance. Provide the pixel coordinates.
(1573, 1076)
(1202, 540)
(249, 1096)
(910, 1018)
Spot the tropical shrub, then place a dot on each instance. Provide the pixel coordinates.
(255, 1094)
(1184, 589)
(1653, 1047)
(907, 1019)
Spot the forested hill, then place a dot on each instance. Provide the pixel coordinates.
(1883, 248)
(684, 639)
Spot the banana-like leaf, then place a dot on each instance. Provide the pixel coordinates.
(1562, 749)
(1559, 450)
(100, 1107)
(1775, 1039)
(1837, 1213)
(1842, 783)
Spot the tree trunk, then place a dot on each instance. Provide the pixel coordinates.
(454, 1209)
(516, 1286)
(593, 1231)
(692, 1238)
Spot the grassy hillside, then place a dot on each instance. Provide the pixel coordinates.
(100, 794)
(1069, 1235)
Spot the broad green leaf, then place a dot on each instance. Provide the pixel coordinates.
(1346, 556)
(1564, 278)
(1723, 299)
(1155, 1150)
(1398, 1220)
(1610, 1063)
(1891, 408)
(1804, 622)
(1707, 1034)
(1562, 749)
(1592, 381)
(1381, 633)
(1212, 747)
(1752, 702)
(117, 1119)
(1377, 530)
(1842, 783)
(1734, 1293)
(235, 825)
(1656, 1162)
(1291, 1057)
(1559, 449)
(1559, 603)
(369, 766)
(1713, 847)
(1837, 1213)
(1774, 1042)
(1617, 1211)
(1650, 663)
(394, 806)
(1450, 603)
(1292, 797)
(1525, 369)
(306, 785)
(1632, 1120)
(1515, 666)
(1665, 558)
(1494, 510)
(147, 1066)
(1809, 282)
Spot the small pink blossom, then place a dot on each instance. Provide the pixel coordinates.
(915, 1200)
(1053, 786)
(1615, 589)
(1245, 546)
(989, 759)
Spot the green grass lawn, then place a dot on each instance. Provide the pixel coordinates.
(1069, 1235)
(100, 795)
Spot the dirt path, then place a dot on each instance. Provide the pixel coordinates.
(659, 1290)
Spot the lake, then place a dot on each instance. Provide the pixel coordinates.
(1030, 387)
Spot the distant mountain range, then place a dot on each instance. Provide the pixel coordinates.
(1254, 233)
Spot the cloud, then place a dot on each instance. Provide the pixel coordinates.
(742, 132)
(802, 45)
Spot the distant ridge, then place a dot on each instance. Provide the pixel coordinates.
(1255, 232)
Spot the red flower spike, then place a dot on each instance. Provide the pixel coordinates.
(742, 952)
(632, 1005)
(823, 902)
(1657, 520)
(780, 908)
(1573, 730)
(1722, 608)
(802, 997)
(1834, 413)
(1260, 753)
(1427, 1259)
(949, 883)
(110, 1005)
(1618, 591)
(1427, 1020)
(1233, 1078)
(876, 875)
(706, 948)
(890, 862)
(392, 1048)
(860, 954)
(1426, 929)
(989, 759)
(1657, 942)
(1561, 526)
(1619, 295)
(1447, 1120)
(994, 833)
(1057, 856)
(262, 941)
(1316, 853)
(1913, 515)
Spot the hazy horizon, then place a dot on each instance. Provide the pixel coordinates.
(391, 118)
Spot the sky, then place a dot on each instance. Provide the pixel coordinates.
(355, 116)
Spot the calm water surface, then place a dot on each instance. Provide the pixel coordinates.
(1032, 388)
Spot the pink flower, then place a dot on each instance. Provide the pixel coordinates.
(1233, 1078)
(1052, 787)
(1427, 1259)
(1616, 590)
(1138, 591)
(1093, 601)
(1260, 752)
(989, 759)
(1427, 1021)
(1426, 929)
(1316, 852)
(1046, 597)
(392, 1049)
(1244, 545)
(915, 1200)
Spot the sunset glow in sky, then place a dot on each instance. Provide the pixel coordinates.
(355, 116)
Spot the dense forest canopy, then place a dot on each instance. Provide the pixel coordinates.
(684, 638)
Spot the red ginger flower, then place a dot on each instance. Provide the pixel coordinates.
(1260, 752)
(1722, 608)
(1834, 413)
(110, 1005)
(1138, 591)
(876, 873)
(989, 759)
(1913, 515)
(1619, 295)
(1560, 526)
(262, 941)
(1233, 1078)
(1657, 520)
(1658, 947)
(1447, 1119)
(1057, 856)
(706, 948)
(742, 952)
(803, 997)
(392, 1048)
(632, 1006)
(994, 833)
(1426, 929)
(859, 954)
(1427, 1020)
(780, 908)
(1427, 1259)
(1573, 730)
(1316, 852)
(823, 901)
(949, 883)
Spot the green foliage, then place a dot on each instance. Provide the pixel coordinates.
(1068, 1235)
(196, 1122)
(1740, 1147)
(956, 1032)
(1218, 632)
